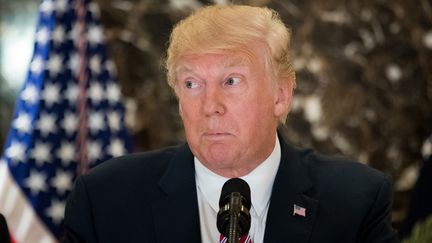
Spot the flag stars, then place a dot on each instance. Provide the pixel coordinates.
(74, 64)
(51, 94)
(116, 147)
(37, 65)
(56, 211)
(114, 121)
(66, 153)
(58, 35)
(46, 7)
(46, 123)
(96, 122)
(113, 93)
(62, 181)
(22, 123)
(61, 6)
(95, 64)
(95, 35)
(36, 182)
(70, 123)
(30, 94)
(42, 36)
(96, 92)
(16, 151)
(45, 127)
(73, 34)
(72, 93)
(55, 65)
(110, 66)
(94, 150)
(41, 153)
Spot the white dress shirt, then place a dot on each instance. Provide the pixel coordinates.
(260, 180)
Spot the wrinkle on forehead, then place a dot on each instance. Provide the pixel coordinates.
(228, 62)
(238, 58)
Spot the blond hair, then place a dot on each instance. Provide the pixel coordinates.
(227, 28)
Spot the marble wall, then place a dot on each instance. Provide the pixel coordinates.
(364, 77)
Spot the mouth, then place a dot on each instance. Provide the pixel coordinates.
(216, 135)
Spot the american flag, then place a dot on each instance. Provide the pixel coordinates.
(300, 211)
(68, 118)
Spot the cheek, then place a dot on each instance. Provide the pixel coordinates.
(189, 114)
(185, 108)
(258, 105)
(246, 116)
(259, 113)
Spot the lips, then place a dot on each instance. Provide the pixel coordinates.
(216, 135)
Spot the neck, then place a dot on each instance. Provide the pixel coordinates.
(235, 172)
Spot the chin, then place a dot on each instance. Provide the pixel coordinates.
(218, 159)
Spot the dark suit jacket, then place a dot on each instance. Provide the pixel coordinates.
(151, 197)
(4, 232)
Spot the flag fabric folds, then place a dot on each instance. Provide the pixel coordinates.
(68, 118)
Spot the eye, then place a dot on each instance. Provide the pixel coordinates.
(232, 81)
(190, 84)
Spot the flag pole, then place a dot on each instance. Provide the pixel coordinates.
(82, 84)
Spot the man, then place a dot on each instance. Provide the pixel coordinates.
(230, 69)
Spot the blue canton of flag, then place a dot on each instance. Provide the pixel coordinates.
(68, 118)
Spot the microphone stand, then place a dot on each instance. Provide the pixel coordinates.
(234, 231)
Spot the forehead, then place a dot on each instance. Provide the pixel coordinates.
(191, 62)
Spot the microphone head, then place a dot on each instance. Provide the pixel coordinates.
(235, 185)
(235, 201)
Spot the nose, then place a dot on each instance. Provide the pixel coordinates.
(213, 102)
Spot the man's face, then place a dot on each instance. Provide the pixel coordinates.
(229, 109)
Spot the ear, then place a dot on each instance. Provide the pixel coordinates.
(180, 109)
(283, 97)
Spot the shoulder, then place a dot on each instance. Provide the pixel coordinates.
(143, 168)
(323, 170)
(336, 179)
(345, 184)
(327, 169)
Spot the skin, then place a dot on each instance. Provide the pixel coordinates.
(229, 109)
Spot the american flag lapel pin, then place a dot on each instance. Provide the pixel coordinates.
(300, 211)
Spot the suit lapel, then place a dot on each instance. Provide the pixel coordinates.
(176, 214)
(290, 188)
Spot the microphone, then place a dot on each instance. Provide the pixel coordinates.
(233, 219)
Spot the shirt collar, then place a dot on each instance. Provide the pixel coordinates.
(260, 181)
